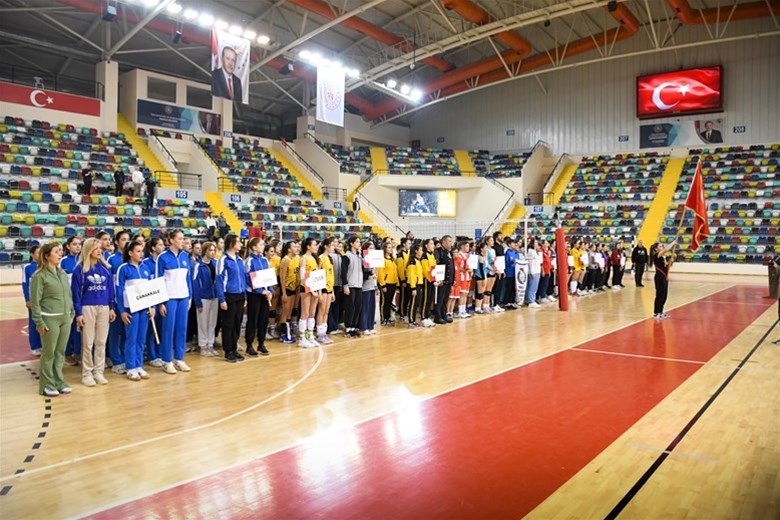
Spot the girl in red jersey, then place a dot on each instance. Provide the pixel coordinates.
(462, 278)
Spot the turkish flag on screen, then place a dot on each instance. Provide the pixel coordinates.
(670, 93)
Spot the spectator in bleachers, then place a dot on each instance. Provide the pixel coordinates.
(86, 176)
(639, 260)
(32, 331)
(151, 191)
(52, 311)
(211, 227)
(119, 182)
(138, 181)
(222, 225)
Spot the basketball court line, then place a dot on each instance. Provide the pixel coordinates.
(700, 458)
(126, 500)
(629, 496)
(640, 356)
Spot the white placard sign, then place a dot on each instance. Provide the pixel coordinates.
(473, 262)
(263, 278)
(500, 264)
(316, 280)
(438, 272)
(375, 258)
(145, 294)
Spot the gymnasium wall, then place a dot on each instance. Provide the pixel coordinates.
(587, 107)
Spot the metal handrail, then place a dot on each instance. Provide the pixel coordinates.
(303, 161)
(554, 171)
(545, 198)
(180, 176)
(333, 193)
(165, 149)
(58, 82)
(375, 209)
(539, 143)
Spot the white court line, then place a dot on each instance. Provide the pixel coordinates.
(15, 313)
(221, 420)
(261, 456)
(626, 354)
(700, 458)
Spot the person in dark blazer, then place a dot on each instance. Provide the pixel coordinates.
(224, 83)
(710, 135)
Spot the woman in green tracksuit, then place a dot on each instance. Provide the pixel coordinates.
(51, 303)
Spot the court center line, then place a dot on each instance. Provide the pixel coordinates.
(641, 356)
(621, 505)
(320, 357)
(208, 474)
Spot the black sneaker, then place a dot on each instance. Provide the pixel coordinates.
(239, 357)
(231, 358)
(251, 352)
(263, 350)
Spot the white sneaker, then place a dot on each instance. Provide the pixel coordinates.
(372, 331)
(305, 343)
(616, 287)
(143, 373)
(498, 308)
(157, 362)
(88, 380)
(534, 305)
(101, 379)
(205, 352)
(405, 319)
(119, 369)
(168, 368)
(268, 335)
(427, 322)
(132, 375)
(36, 352)
(65, 390)
(314, 341)
(181, 366)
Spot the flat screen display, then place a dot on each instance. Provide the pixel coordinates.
(427, 203)
(692, 91)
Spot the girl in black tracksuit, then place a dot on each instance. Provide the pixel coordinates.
(662, 263)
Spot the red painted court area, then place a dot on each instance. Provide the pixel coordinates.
(493, 449)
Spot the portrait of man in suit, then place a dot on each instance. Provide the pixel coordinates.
(209, 123)
(224, 82)
(710, 135)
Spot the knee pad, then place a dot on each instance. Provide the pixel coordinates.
(488, 293)
(478, 296)
(272, 315)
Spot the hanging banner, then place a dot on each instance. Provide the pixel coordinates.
(330, 95)
(696, 132)
(521, 278)
(178, 118)
(230, 66)
(48, 99)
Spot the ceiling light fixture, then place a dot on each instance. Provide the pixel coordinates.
(221, 24)
(174, 8)
(250, 35)
(405, 89)
(236, 30)
(391, 83)
(263, 39)
(205, 20)
(190, 14)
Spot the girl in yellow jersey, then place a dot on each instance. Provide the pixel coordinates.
(404, 296)
(578, 275)
(274, 260)
(288, 282)
(428, 262)
(414, 277)
(387, 276)
(309, 298)
(327, 248)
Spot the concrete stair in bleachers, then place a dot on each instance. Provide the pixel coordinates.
(465, 164)
(150, 160)
(663, 197)
(518, 213)
(378, 160)
(214, 198)
(562, 182)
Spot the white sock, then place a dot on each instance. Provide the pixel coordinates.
(301, 327)
(287, 324)
(322, 329)
(310, 324)
(572, 286)
(462, 309)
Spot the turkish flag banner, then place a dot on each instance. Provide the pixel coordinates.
(692, 91)
(48, 99)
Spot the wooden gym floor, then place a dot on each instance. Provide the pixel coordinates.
(599, 412)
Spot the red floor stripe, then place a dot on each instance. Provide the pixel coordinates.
(14, 345)
(493, 449)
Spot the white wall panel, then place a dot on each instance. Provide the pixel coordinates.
(589, 106)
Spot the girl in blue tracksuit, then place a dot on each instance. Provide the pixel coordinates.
(32, 330)
(68, 264)
(204, 289)
(92, 289)
(153, 248)
(231, 292)
(174, 266)
(129, 273)
(258, 300)
(116, 332)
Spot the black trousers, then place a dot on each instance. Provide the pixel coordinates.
(440, 304)
(336, 312)
(118, 190)
(639, 270)
(661, 291)
(617, 275)
(403, 299)
(499, 290)
(192, 323)
(429, 294)
(414, 303)
(257, 311)
(231, 322)
(386, 300)
(353, 302)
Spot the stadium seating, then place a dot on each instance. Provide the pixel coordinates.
(40, 176)
(508, 164)
(421, 161)
(352, 159)
(608, 196)
(742, 190)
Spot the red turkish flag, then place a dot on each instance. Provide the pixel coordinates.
(685, 91)
(49, 99)
(696, 203)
